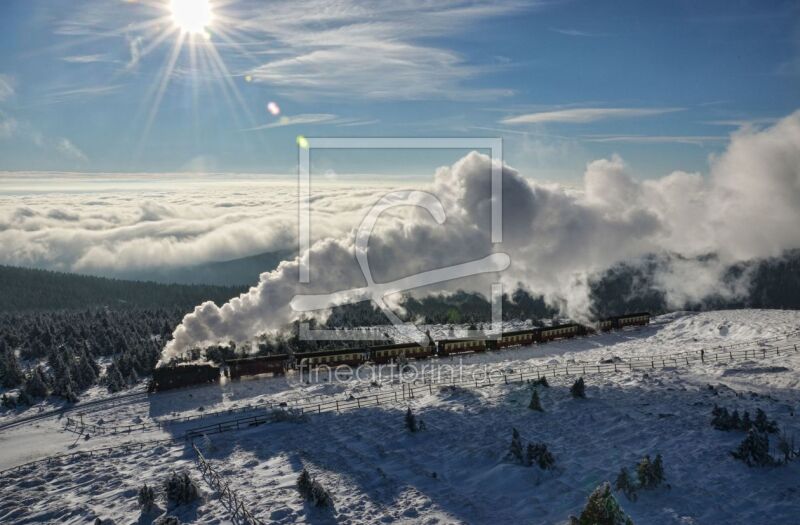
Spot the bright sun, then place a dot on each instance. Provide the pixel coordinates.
(191, 16)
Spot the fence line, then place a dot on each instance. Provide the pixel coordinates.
(235, 504)
(95, 452)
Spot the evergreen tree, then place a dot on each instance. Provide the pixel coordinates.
(602, 508)
(746, 423)
(650, 473)
(535, 404)
(763, 424)
(754, 450)
(146, 498)
(36, 384)
(515, 450)
(411, 421)
(578, 389)
(625, 484)
(9, 402)
(304, 484)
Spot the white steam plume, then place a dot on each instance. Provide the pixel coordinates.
(749, 206)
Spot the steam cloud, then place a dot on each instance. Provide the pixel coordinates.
(558, 238)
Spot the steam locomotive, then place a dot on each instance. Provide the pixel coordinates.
(184, 375)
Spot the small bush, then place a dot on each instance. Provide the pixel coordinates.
(537, 454)
(754, 450)
(181, 489)
(602, 508)
(167, 520)
(578, 389)
(542, 381)
(535, 403)
(146, 498)
(311, 490)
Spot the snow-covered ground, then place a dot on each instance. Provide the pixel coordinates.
(456, 470)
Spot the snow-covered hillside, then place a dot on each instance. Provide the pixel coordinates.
(457, 469)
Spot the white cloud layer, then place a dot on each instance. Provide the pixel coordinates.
(558, 238)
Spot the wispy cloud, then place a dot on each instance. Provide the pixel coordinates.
(583, 115)
(70, 150)
(696, 140)
(576, 32)
(307, 118)
(6, 87)
(738, 123)
(88, 59)
(376, 50)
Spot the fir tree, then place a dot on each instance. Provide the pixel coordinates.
(515, 449)
(146, 498)
(763, 424)
(754, 450)
(650, 473)
(602, 508)
(304, 484)
(411, 421)
(535, 404)
(625, 484)
(578, 389)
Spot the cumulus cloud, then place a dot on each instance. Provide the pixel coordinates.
(558, 238)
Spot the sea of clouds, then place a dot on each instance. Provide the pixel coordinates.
(558, 238)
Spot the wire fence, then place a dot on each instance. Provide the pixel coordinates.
(232, 501)
(92, 453)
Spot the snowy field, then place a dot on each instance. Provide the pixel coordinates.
(457, 469)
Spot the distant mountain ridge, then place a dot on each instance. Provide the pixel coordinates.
(236, 272)
(26, 289)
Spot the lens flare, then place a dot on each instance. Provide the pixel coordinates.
(274, 108)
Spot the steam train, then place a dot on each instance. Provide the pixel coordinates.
(184, 375)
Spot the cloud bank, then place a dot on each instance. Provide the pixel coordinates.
(558, 238)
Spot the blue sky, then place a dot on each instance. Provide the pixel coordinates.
(663, 84)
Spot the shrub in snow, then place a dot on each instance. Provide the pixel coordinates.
(542, 381)
(147, 497)
(167, 520)
(181, 489)
(650, 472)
(313, 491)
(535, 404)
(291, 415)
(8, 401)
(515, 449)
(754, 450)
(537, 454)
(578, 389)
(625, 484)
(602, 508)
(411, 421)
(721, 419)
